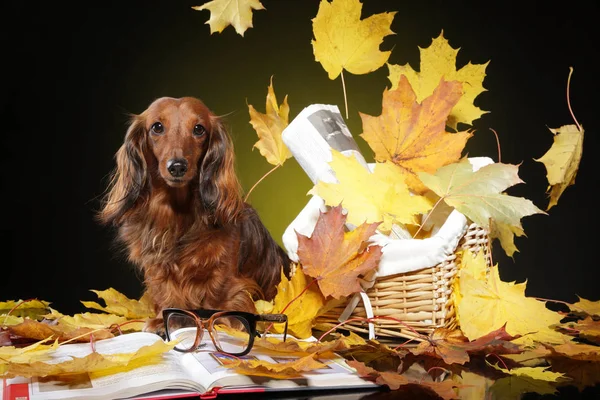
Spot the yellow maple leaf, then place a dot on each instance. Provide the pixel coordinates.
(269, 127)
(34, 352)
(502, 303)
(380, 196)
(97, 321)
(237, 13)
(525, 379)
(506, 235)
(344, 41)
(562, 160)
(119, 304)
(279, 370)
(94, 363)
(437, 61)
(413, 135)
(585, 307)
(302, 310)
(479, 194)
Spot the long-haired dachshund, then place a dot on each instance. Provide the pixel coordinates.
(177, 203)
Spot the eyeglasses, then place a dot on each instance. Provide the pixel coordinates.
(231, 332)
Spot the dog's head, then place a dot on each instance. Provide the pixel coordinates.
(178, 143)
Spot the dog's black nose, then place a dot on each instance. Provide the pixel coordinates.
(177, 167)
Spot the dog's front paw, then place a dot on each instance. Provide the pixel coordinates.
(155, 325)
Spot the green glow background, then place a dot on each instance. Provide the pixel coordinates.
(73, 71)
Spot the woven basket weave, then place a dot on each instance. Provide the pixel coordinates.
(420, 299)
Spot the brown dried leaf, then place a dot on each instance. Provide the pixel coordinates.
(335, 257)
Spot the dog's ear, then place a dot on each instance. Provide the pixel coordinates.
(129, 179)
(220, 190)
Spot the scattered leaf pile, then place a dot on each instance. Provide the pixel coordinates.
(505, 343)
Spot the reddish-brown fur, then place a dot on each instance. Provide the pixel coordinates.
(198, 244)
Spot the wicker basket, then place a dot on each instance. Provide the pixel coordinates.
(420, 299)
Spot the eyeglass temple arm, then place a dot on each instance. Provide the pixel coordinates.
(276, 318)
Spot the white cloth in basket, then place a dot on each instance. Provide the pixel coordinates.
(398, 255)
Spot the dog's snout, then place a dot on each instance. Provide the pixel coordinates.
(177, 167)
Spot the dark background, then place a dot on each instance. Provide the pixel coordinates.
(72, 73)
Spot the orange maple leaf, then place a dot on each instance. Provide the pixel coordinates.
(413, 135)
(336, 258)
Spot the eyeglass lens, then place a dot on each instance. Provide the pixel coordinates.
(231, 333)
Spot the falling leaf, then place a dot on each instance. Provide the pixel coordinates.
(413, 134)
(301, 310)
(437, 61)
(269, 127)
(278, 370)
(344, 41)
(237, 13)
(380, 196)
(119, 304)
(337, 258)
(506, 235)
(478, 195)
(454, 348)
(562, 160)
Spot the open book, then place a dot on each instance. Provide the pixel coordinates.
(200, 374)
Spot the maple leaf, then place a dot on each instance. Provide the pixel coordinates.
(278, 370)
(95, 321)
(472, 386)
(454, 348)
(336, 258)
(413, 134)
(94, 363)
(437, 61)
(562, 160)
(380, 196)
(478, 195)
(119, 304)
(523, 380)
(11, 309)
(578, 361)
(34, 352)
(506, 235)
(588, 329)
(269, 127)
(32, 329)
(395, 381)
(237, 13)
(585, 307)
(301, 310)
(502, 303)
(344, 41)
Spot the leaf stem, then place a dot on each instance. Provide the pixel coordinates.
(292, 300)
(498, 144)
(257, 182)
(569, 99)
(344, 88)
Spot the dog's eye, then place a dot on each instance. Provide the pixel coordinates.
(157, 128)
(199, 130)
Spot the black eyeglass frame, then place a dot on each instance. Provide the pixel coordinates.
(206, 318)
